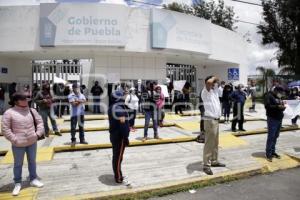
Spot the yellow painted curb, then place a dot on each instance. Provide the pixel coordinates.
(286, 162)
(25, 194)
(132, 144)
(172, 117)
(262, 131)
(106, 128)
(189, 126)
(231, 141)
(43, 154)
(168, 187)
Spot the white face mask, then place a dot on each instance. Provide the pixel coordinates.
(279, 95)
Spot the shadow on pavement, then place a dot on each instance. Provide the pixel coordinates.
(259, 154)
(197, 166)
(108, 179)
(9, 187)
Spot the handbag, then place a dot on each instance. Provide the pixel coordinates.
(35, 127)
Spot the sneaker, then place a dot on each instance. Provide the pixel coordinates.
(242, 129)
(83, 142)
(58, 133)
(17, 189)
(207, 171)
(73, 143)
(157, 138)
(275, 155)
(233, 130)
(36, 183)
(269, 159)
(218, 165)
(126, 183)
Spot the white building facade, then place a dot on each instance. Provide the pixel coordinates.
(123, 43)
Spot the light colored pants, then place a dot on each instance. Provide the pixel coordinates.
(210, 151)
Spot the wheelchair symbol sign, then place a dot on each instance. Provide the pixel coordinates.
(233, 74)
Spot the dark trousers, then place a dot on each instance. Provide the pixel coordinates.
(274, 126)
(118, 148)
(294, 120)
(202, 123)
(226, 107)
(238, 116)
(132, 118)
(178, 108)
(80, 121)
(96, 105)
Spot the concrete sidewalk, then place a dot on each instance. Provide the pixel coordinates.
(85, 174)
(173, 166)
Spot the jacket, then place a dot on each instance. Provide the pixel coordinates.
(272, 104)
(117, 129)
(18, 126)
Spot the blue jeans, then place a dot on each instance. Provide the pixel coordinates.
(80, 120)
(294, 120)
(148, 116)
(45, 113)
(274, 126)
(1, 106)
(18, 153)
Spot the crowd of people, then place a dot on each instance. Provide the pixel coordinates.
(26, 121)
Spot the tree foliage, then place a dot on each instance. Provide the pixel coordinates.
(267, 74)
(281, 28)
(216, 12)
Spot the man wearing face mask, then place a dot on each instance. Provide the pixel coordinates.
(239, 98)
(274, 110)
(211, 117)
(77, 100)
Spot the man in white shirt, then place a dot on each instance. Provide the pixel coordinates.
(212, 115)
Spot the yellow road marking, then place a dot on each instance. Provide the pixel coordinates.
(25, 194)
(285, 162)
(43, 154)
(231, 141)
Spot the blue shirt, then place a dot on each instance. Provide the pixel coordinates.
(79, 109)
(238, 96)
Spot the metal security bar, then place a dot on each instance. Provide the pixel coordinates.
(47, 71)
(178, 72)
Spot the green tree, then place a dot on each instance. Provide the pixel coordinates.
(281, 27)
(216, 12)
(267, 75)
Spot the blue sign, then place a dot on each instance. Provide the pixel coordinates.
(234, 74)
(4, 70)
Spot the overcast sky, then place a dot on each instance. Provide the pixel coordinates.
(258, 55)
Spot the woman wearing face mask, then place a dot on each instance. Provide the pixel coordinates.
(44, 100)
(226, 102)
(18, 126)
(294, 95)
(132, 102)
(160, 102)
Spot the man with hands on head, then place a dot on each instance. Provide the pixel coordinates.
(212, 115)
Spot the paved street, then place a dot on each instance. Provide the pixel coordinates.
(278, 186)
